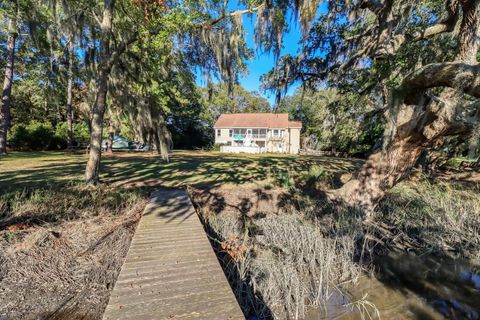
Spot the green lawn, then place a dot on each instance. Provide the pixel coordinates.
(33, 169)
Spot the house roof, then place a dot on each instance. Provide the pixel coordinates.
(256, 120)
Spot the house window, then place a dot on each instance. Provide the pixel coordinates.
(239, 132)
(259, 133)
(275, 133)
(230, 133)
(219, 133)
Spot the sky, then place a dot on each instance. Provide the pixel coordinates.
(264, 62)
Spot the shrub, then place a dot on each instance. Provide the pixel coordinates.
(34, 136)
(81, 133)
(19, 136)
(43, 136)
(216, 147)
(317, 174)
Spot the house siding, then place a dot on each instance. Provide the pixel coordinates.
(288, 143)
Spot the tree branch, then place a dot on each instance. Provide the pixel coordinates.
(465, 77)
(373, 5)
(228, 14)
(117, 52)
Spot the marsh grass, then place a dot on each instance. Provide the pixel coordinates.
(303, 258)
(441, 218)
(290, 264)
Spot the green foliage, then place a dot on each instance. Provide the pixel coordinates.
(217, 100)
(81, 134)
(336, 122)
(34, 136)
(38, 135)
(216, 147)
(317, 173)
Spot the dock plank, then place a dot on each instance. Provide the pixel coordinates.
(171, 270)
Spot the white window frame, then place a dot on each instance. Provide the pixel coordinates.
(219, 132)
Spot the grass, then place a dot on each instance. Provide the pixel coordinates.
(30, 169)
(61, 249)
(278, 264)
(441, 218)
(287, 276)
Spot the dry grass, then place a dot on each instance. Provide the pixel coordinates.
(289, 265)
(439, 218)
(61, 250)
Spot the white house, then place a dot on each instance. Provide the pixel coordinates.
(257, 133)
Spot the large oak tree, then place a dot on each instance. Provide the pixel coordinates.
(418, 57)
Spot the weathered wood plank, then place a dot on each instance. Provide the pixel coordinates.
(171, 271)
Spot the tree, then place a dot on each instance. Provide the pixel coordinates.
(346, 123)
(20, 16)
(107, 57)
(215, 44)
(418, 57)
(7, 85)
(218, 100)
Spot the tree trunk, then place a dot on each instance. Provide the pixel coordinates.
(417, 121)
(7, 87)
(111, 133)
(165, 139)
(93, 165)
(156, 142)
(71, 52)
(380, 173)
(103, 71)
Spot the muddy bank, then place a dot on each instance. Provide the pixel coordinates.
(63, 269)
(248, 200)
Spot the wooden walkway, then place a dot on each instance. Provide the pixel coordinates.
(171, 270)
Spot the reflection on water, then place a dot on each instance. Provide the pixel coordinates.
(409, 287)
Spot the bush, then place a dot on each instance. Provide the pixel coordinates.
(34, 136)
(216, 147)
(81, 133)
(316, 174)
(43, 136)
(19, 136)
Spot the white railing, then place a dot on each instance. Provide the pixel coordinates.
(276, 138)
(242, 149)
(252, 136)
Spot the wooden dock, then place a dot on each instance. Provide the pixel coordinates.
(171, 270)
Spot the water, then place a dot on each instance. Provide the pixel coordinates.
(409, 287)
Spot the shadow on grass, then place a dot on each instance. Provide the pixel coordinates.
(135, 170)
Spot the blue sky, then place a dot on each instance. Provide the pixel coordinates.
(264, 62)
